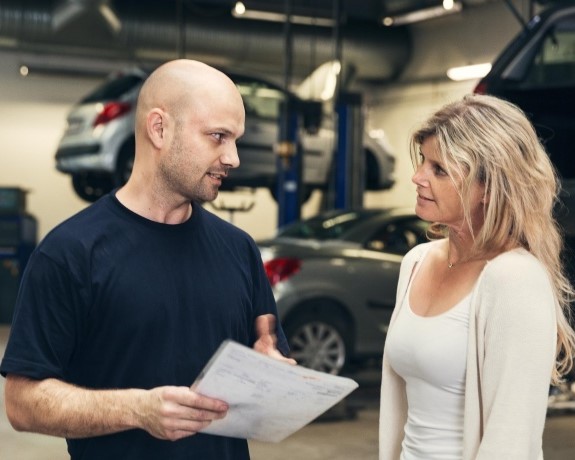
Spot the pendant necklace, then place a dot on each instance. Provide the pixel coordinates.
(449, 263)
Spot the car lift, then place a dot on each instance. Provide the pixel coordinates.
(348, 160)
(348, 181)
(348, 157)
(289, 166)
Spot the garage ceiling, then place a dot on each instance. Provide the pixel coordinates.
(94, 35)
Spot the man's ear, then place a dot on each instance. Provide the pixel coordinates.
(155, 122)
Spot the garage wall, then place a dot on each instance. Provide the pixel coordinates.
(33, 111)
(32, 118)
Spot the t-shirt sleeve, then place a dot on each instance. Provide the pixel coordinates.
(264, 300)
(45, 323)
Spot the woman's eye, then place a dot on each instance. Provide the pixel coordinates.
(439, 170)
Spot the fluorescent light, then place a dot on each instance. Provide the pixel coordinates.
(65, 12)
(448, 7)
(111, 18)
(240, 11)
(469, 72)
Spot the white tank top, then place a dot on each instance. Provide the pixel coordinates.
(429, 353)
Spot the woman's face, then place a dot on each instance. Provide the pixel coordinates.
(438, 196)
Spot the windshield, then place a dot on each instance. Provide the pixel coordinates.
(113, 89)
(331, 226)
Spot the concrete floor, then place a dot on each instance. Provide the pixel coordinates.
(346, 433)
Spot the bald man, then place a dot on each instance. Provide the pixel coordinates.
(123, 304)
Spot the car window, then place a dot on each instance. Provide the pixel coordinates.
(260, 100)
(113, 89)
(323, 227)
(399, 236)
(554, 63)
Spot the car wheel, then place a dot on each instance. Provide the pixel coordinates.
(318, 342)
(371, 171)
(90, 187)
(307, 191)
(125, 163)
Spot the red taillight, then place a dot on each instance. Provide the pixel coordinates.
(481, 88)
(279, 269)
(111, 111)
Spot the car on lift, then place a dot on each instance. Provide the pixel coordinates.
(97, 148)
(536, 71)
(334, 278)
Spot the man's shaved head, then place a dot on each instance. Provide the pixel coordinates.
(178, 84)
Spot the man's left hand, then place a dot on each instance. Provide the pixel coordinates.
(266, 338)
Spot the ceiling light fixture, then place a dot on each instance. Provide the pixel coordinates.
(240, 11)
(112, 19)
(448, 7)
(469, 72)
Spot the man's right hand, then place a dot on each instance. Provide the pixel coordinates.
(56, 408)
(174, 413)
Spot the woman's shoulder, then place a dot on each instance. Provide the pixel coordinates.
(518, 260)
(516, 268)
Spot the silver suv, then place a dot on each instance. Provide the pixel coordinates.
(536, 71)
(97, 148)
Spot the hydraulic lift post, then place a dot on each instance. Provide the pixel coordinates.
(289, 167)
(349, 158)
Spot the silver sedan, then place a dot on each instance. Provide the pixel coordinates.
(334, 278)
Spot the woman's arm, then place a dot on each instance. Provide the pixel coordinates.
(517, 338)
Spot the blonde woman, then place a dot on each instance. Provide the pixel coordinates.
(480, 326)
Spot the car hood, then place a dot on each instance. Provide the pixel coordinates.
(297, 247)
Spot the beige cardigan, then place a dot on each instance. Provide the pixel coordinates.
(511, 351)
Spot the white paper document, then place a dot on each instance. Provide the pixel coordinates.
(268, 399)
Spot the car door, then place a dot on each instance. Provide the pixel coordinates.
(373, 271)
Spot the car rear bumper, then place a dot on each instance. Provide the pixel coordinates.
(83, 158)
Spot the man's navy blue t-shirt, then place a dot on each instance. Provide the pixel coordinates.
(110, 299)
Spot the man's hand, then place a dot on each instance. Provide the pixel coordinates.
(173, 413)
(266, 338)
(57, 408)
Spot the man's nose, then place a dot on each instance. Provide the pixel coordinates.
(230, 157)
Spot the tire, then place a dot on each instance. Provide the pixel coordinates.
(125, 163)
(319, 342)
(371, 172)
(90, 187)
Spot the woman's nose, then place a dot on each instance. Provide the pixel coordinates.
(418, 177)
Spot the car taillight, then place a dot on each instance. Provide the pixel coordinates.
(112, 110)
(481, 88)
(279, 269)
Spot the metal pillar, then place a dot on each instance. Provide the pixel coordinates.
(349, 157)
(289, 168)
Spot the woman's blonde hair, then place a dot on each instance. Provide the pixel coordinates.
(486, 139)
